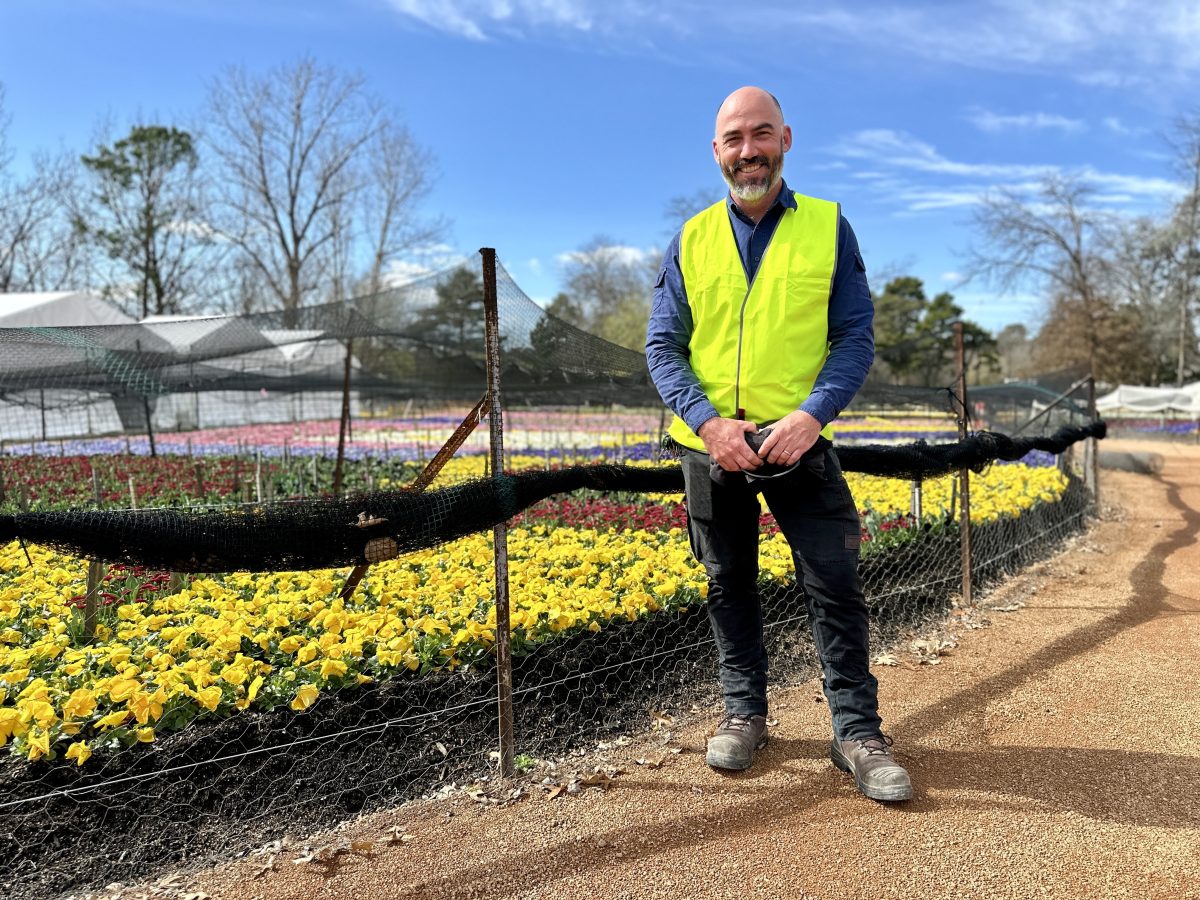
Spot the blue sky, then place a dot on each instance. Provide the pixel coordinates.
(556, 121)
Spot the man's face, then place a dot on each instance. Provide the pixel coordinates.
(749, 144)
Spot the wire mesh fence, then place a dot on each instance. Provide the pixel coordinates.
(211, 711)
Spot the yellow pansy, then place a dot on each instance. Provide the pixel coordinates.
(306, 695)
(333, 668)
(209, 697)
(113, 719)
(79, 751)
(39, 743)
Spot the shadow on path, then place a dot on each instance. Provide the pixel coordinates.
(1130, 788)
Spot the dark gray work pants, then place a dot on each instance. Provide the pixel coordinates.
(818, 517)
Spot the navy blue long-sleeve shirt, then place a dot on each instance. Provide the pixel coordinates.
(851, 313)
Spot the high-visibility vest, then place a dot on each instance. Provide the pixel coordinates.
(758, 347)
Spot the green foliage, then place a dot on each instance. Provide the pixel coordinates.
(914, 336)
(564, 308)
(145, 211)
(897, 314)
(456, 319)
(524, 762)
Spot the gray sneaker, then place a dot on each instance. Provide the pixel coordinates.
(733, 744)
(875, 770)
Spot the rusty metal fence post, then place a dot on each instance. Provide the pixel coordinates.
(1092, 448)
(344, 419)
(95, 575)
(964, 475)
(500, 531)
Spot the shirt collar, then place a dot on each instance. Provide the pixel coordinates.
(786, 199)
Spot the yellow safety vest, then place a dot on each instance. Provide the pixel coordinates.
(758, 347)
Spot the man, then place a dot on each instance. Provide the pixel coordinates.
(762, 317)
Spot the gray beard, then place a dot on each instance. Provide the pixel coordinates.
(753, 191)
(750, 192)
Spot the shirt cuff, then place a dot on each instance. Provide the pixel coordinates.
(701, 414)
(820, 408)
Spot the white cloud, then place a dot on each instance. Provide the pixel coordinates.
(1107, 79)
(616, 253)
(923, 200)
(479, 20)
(418, 264)
(1116, 126)
(995, 123)
(994, 311)
(1137, 185)
(922, 179)
(951, 278)
(1080, 39)
(403, 271)
(902, 150)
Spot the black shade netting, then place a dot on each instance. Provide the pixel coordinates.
(314, 534)
(921, 460)
(371, 527)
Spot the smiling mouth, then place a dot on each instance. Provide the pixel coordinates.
(750, 166)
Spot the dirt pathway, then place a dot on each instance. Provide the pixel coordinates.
(1054, 753)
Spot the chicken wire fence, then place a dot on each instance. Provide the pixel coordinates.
(391, 706)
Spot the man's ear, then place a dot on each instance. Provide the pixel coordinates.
(716, 154)
(787, 138)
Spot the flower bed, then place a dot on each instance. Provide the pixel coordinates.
(219, 645)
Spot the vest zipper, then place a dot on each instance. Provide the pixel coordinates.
(737, 375)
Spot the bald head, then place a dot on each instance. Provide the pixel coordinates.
(748, 95)
(749, 142)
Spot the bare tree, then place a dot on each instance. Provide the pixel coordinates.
(609, 287)
(319, 184)
(6, 154)
(1054, 241)
(39, 250)
(681, 207)
(289, 143)
(397, 173)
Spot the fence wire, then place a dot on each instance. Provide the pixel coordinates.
(241, 778)
(284, 707)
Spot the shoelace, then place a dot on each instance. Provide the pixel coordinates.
(739, 723)
(873, 745)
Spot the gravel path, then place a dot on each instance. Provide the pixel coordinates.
(1054, 752)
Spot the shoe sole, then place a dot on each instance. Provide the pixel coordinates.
(730, 764)
(887, 795)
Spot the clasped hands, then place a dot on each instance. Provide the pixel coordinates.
(790, 438)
